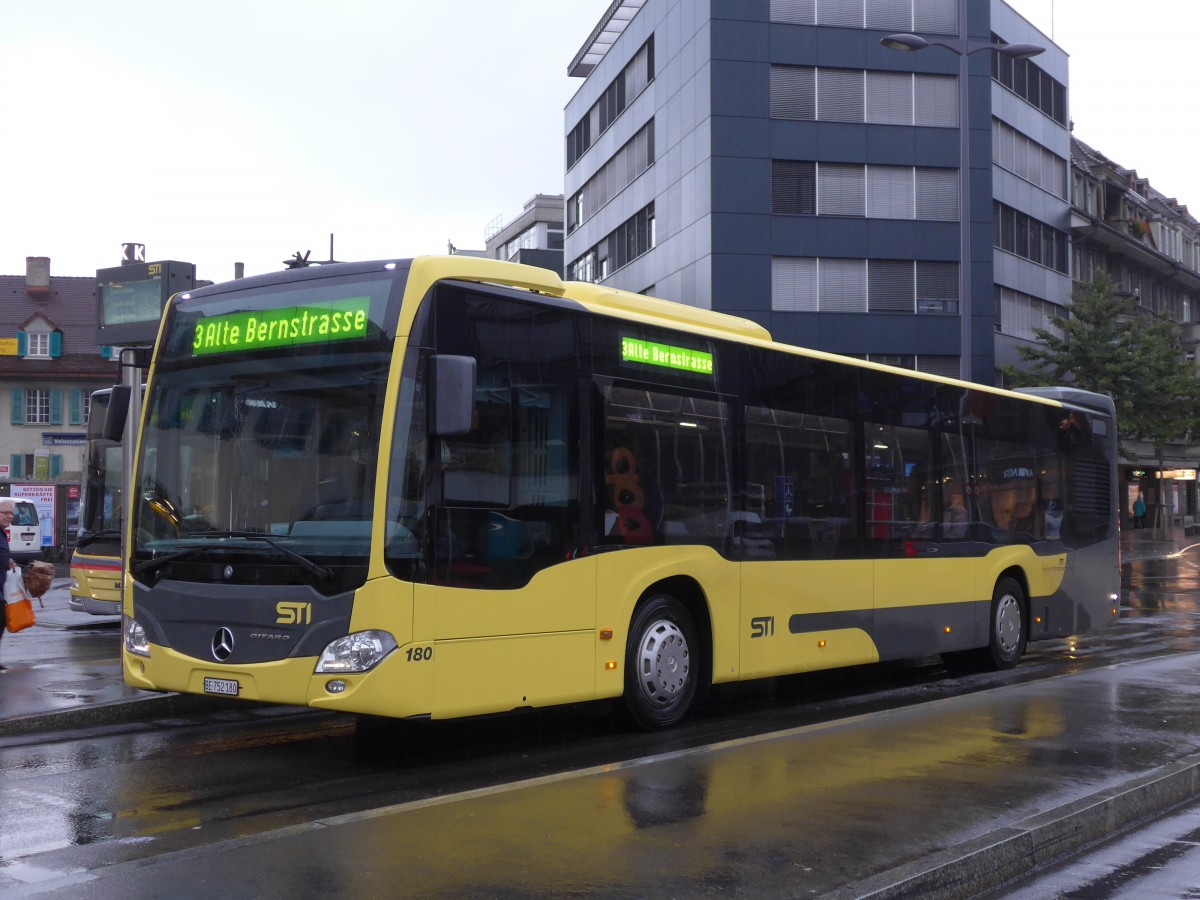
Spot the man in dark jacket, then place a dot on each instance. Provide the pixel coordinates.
(6, 560)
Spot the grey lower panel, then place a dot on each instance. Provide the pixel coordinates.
(907, 632)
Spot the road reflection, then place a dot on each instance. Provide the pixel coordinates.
(139, 793)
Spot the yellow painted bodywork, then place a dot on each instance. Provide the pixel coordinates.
(562, 638)
(98, 577)
(778, 590)
(546, 644)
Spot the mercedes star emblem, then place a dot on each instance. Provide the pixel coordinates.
(222, 644)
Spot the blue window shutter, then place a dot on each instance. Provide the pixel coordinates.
(21, 344)
(18, 406)
(56, 406)
(106, 352)
(76, 406)
(56, 343)
(55, 465)
(16, 462)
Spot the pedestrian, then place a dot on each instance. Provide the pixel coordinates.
(1139, 512)
(6, 560)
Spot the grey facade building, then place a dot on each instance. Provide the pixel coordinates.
(770, 158)
(535, 237)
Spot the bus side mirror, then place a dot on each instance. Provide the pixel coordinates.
(118, 409)
(453, 393)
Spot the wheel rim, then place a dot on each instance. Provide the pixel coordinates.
(1008, 624)
(663, 663)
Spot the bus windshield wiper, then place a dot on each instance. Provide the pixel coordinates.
(303, 561)
(104, 534)
(149, 566)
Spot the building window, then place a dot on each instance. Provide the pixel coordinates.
(37, 345)
(926, 16)
(37, 407)
(793, 187)
(1021, 315)
(613, 177)
(812, 284)
(622, 91)
(35, 466)
(1029, 238)
(854, 95)
(1029, 82)
(877, 192)
(1028, 159)
(629, 240)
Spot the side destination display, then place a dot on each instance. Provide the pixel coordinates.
(651, 353)
(336, 320)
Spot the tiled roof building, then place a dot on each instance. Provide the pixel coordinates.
(50, 363)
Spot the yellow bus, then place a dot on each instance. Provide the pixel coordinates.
(96, 559)
(447, 487)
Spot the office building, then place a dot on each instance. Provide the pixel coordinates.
(772, 159)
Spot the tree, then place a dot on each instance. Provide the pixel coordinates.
(1112, 346)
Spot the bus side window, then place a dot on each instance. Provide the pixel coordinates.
(664, 475)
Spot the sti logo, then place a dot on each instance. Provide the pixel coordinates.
(293, 613)
(762, 626)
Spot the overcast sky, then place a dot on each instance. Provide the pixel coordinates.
(247, 130)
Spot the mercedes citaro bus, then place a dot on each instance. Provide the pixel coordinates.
(446, 487)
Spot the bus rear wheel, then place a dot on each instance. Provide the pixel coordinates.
(661, 670)
(1007, 633)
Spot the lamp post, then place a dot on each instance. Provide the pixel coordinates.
(964, 48)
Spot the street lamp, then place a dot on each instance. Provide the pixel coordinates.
(963, 47)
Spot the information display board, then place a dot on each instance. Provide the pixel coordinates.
(130, 299)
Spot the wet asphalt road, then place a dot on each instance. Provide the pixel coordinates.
(744, 798)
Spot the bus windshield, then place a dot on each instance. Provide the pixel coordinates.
(255, 480)
(100, 511)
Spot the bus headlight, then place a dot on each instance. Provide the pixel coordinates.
(358, 652)
(135, 637)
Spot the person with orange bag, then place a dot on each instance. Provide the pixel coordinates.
(6, 560)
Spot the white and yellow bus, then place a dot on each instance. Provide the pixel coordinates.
(96, 559)
(453, 486)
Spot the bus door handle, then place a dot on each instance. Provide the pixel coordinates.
(914, 549)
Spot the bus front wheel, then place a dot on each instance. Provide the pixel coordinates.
(1007, 625)
(661, 668)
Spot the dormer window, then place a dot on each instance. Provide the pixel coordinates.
(37, 346)
(39, 338)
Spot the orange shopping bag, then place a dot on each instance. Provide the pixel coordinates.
(18, 616)
(18, 610)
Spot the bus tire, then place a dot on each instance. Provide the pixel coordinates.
(661, 666)
(1007, 631)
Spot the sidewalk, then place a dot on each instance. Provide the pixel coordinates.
(1145, 543)
(65, 672)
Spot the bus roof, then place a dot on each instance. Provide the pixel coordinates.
(611, 302)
